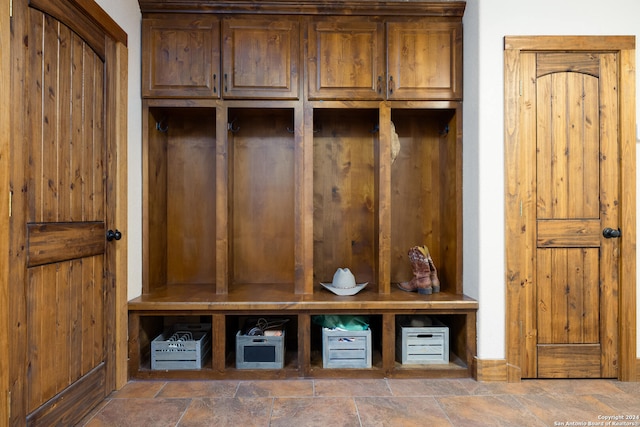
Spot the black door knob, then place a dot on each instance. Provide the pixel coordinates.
(610, 233)
(114, 235)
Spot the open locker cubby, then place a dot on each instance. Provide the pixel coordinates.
(426, 193)
(261, 197)
(345, 201)
(180, 198)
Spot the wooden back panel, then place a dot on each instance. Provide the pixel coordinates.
(262, 196)
(344, 193)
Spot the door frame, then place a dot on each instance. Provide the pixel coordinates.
(520, 203)
(13, 197)
(5, 144)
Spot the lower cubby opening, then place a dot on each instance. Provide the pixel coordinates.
(182, 343)
(431, 342)
(345, 349)
(259, 342)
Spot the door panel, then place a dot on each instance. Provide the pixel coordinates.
(576, 197)
(567, 295)
(569, 361)
(66, 296)
(568, 143)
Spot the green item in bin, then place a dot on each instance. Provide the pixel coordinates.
(342, 322)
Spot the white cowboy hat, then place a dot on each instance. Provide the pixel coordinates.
(344, 283)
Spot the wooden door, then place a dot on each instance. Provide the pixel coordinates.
(181, 56)
(260, 58)
(63, 274)
(424, 60)
(346, 59)
(571, 139)
(577, 181)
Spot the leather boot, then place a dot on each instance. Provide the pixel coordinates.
(421, 281)
(435, 282)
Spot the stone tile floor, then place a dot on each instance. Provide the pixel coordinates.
(377, 402)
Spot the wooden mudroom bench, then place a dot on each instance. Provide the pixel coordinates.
(196, 303)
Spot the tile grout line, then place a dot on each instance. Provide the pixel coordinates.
(184, 412)
(160, 390)
(94, 412)
(443, 409)
(357, 411)
(524, 407)
(273, 402)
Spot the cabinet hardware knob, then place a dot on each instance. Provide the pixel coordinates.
(610, 233)
(114, 235)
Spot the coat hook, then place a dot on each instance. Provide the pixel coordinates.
(231, 128)
(290, 130)
(444, 131)
(163, 125)
(375, 129)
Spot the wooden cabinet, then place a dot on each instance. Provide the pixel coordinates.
(252, 199)
(180, 56)
(346, 59)
(260, 58)
(349, 59)
(424, 60)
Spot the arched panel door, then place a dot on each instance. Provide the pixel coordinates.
(64, 285)
(570, 208)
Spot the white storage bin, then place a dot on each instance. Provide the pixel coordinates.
(181, 347)
(346, 349)
(423, 345)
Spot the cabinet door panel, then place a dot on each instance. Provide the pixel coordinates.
(180, 56)
(424, 60)
(346, 59)
(260, 58)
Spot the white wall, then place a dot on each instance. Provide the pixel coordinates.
(486, 22)
(127, 14)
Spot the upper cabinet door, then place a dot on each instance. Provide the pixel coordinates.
(181, 56)
(346, 59)
(260, 58)
(424, 60)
